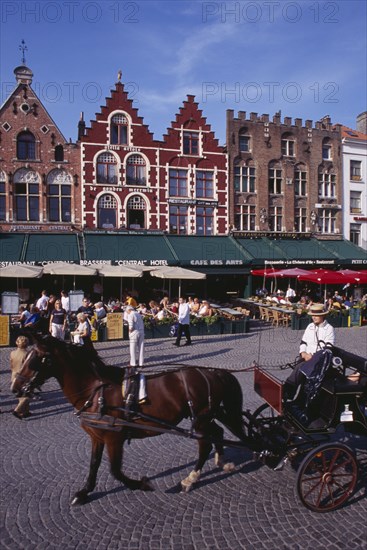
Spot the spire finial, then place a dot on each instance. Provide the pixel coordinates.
(119, 75)
(23, 48)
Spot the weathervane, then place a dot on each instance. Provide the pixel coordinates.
(23, 48)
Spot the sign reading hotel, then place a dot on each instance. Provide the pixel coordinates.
(114, 326)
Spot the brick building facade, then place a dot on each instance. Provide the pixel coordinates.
(284, 177)
(39, 169)
(132, 181)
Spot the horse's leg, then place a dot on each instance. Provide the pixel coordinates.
(81, 497)
(115, 449)
(217, 432)
(205, 446)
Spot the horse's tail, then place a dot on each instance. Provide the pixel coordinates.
(230, 413)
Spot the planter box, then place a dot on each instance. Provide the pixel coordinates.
(197, 329)
(148, 333)
(161, 331)
(300, 322)
(241, 326)
(338, 321)
(214, 328)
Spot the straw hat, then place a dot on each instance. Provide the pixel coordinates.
(317, 309)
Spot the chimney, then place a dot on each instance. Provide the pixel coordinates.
(362, 123)
(81, 126)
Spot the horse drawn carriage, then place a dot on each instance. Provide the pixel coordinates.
(305, 433)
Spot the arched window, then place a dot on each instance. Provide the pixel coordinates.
(327, 185)
(106, 168)
(275, 179)
(245, 177)
(136, 170)
(59, 196)
(244, 140)
(136, 212)
(2, 196)
(26, 195)
(288, 145)
(59, 153)
(26, 146)
(327, 149)
(107, 212)
(118, 130)
(300, 180)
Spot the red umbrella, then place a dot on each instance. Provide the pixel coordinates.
(291, 272)
(263, 272)
(324, 276)
(360, 276)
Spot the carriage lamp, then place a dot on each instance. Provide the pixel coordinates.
(346, 415)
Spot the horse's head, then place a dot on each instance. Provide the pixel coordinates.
(36, 368)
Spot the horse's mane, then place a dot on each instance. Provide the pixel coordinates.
(86, 356)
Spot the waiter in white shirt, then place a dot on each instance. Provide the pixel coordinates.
(183, 322)
(136, 336)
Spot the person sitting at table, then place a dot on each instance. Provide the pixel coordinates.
(34, 319)
(161, 313)
(24, 315)
(205, 309)
(195, 306)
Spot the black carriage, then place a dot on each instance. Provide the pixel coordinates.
(280, 430)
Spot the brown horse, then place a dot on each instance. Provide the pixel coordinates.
(94, 389)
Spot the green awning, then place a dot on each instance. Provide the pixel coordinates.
(302, 252)
(346, 252)
(262, 250)
(52, 247)
(11, 247)
(209, 251)
(141, 249)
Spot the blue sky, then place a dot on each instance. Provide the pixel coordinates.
(305, 58)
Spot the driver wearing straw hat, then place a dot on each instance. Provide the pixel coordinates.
(317, 334)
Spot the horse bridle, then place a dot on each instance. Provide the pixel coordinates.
(27, 389)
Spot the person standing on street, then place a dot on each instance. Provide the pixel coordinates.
(136, 336)
(16, 362)
(183, 322)
(58, 320)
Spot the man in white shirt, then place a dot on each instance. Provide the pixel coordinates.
(183, 322)
(317, 334)
(136, 336)
(42, 301)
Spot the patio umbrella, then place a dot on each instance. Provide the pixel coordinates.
(328, 277)
(21, 272)
(64, 268)
(177, 273)
(360, 276)
(292, 272)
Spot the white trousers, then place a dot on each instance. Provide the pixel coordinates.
(136, 348)
(58, 331)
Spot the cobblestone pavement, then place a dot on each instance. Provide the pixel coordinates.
(45, 459)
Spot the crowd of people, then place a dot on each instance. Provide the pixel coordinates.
(52, 314)
(305, 299)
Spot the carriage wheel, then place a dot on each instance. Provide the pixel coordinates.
(266, 415)
(327, 477)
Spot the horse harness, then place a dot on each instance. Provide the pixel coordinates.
(104, 421)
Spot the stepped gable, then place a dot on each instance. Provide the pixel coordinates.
(190, 117)
(118, 101)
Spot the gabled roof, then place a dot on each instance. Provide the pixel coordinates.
(349, 133)
(16, 92)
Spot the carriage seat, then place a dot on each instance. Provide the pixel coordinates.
(342, 384)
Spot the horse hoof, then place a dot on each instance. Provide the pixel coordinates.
(80, 499)
(185, 488)
(146, 485)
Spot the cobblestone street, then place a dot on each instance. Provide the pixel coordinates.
(45, 459)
